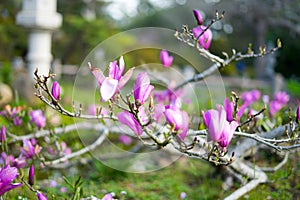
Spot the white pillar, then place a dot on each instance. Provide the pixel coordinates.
(39, 55)
(41, 19)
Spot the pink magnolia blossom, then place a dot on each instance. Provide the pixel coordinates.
(298, 114)
(250, 97)
(219, 129)
(279, 101)
(142, 88)
(55, 90)
(228, 106)
(41, 196)
(37, 117)
(28, 150)
(206, 37)
(31, 175)
(177, 119)
(198, 16)
(125, 139)
(128, 119)
(281, 97)
(3, 134)
(165, 58)
(169, 97)
(7, 175)
(111, 85)
(6, 159)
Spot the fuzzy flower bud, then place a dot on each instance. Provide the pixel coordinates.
(56, 90)
(3, 134)
(31, 175)
(198, 17)
(165, 58)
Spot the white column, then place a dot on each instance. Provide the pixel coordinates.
(41, 19)
(39, 55)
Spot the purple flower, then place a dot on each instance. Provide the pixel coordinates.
(108, 196)
(279, 101)
(182, 195)
(281, 97)
(19, 162)
(275, 106)
(219, 129)
(125, 139)
(41, 196)
(6, 159)
(169, 97)
(31, 175)
(228, 106)
(142, 88)
(37, 117)
(198, 16)
(178, 119)
(298, 114)
(128, 119)
(56, 90)
(110, 85)
(266, 99)
(205, 38)
(3, 134)
(7, 175)
(250, 96)
(28, 150)
(165, 59)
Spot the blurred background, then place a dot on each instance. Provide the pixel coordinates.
(87, 23)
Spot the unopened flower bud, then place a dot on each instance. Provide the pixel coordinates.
(31, 175)
(3, 133)
(198, 16)
(298, 115)
(56, 90)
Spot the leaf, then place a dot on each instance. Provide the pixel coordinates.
(68, 182)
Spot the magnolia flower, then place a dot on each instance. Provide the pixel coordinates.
(37, 117)
(7, 175)
(281, 97)
(279, 101)
(169, 97)
(31, 175)
(250, 96)
(41, 196)
(228, 106)
(206, 37)
(6, 159)
(125, 139)
(110, 85)
(142, 88)
(56, 90)
(178, 119)
(219, 129)
(128, 119)
(198, 16)
(298, 114)
(165, 59)
(28, 150)
(3, 134)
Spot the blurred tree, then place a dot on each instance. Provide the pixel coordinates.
(264, 17)
(13, 39)
(84, 26)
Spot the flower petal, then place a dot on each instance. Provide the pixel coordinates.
(98, 74)
(108, 88)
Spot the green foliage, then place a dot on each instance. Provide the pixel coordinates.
(293, 87)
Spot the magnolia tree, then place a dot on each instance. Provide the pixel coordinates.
(158, 119)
